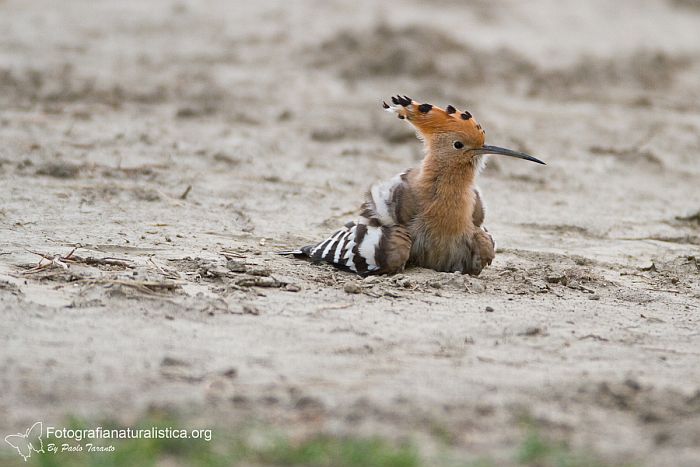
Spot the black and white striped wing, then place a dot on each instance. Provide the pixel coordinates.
(352, 248)
(359, 245)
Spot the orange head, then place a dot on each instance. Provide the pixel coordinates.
(448, 130)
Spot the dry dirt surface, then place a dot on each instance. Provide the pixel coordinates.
(158, 153)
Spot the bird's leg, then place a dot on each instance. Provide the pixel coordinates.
(483, 251)
(394, 249)
(482, 245)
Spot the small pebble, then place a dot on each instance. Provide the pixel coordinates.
(250, 310)
(532, 331)
(556, 279)
(292, 288)
(259, 271)
(489, 309)
(230, 373)
(352, 287)
(633, 384)
(594, 297)
(234, 265)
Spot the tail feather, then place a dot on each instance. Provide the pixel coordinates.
(289, 252)
(304, 251)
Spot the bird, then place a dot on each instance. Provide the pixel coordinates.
(429, 216)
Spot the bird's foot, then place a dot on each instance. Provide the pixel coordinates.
(482, 253)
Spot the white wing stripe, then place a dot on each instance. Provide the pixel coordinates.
(331, 242)
(369, 246)
(341, 245)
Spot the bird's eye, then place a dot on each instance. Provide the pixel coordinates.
(458, 145)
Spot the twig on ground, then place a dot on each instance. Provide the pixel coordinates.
(334, 307)
(665, 290)
(150, 260)
(109, 261)
(56, 260)
(228, 254)
(170, 274)
(594, 337)
(71, 258)
(143, 286)
(186, 192)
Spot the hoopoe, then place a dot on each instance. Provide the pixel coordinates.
(430, 216)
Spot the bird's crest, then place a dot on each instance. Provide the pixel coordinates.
(430, 120)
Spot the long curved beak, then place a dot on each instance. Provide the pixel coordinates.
(506, 152)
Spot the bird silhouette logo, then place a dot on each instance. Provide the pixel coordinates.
(28, 441)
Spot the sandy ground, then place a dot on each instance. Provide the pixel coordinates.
(270, 112)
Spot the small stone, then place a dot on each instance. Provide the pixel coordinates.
(490, 309)
(172, 361)
(213, 271)
(250, 310)
(454, 280)
(59, 169)
(594, 297)
(230, 373)
(307, 403)
(256, 281)
(270, 400)
(292, 288)
(352, 287)
(633, 384)
(476, 287)
(532, 331)
(557, 278)
(239, 400)
(259, 271)
(186, 112)
(235, 265)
